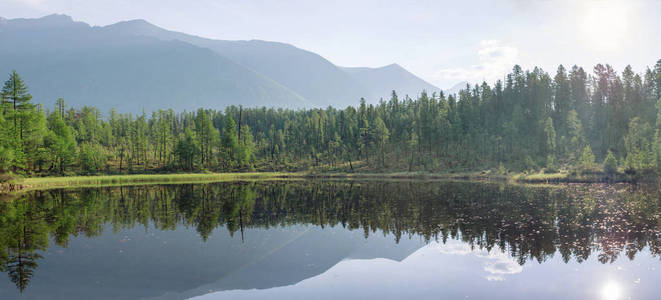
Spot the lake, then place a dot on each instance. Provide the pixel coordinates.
(327, 239)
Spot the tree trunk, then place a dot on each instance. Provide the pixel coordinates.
(14, 117)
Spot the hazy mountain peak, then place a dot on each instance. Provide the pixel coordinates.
(456, 88)
(393, 66)
(52, 21)
(139, 27)
(56, 20)
(381, 81)
(134, 24)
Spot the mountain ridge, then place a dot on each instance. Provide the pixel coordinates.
(314, 77)
(248, 72)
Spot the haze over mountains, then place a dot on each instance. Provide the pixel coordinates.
(134, 65)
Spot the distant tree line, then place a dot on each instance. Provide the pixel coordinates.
(531, 120)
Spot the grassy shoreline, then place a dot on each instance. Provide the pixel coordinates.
(44, 183)
(41, 183)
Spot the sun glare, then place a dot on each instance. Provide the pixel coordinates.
(605, 24)
(611, 291)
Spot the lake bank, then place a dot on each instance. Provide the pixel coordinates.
(43, 183)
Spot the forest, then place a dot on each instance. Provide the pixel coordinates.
(572, 121)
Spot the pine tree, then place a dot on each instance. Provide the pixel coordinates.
(16, 95)
(230, 141)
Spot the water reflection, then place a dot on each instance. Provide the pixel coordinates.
(449, 271)
(503, 226)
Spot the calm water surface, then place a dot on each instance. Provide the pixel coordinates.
(333, 239)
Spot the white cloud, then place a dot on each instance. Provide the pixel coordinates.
(495, 263)
(495, 60)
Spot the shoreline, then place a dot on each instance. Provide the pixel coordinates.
(46, 183)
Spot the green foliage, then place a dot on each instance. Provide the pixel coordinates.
(550, 164)
(501, 169)
(576, 140)
(379, 135)
(230, 142)
(246, 150)
(16, 96)
(587, 159)
(6, 145)
(610, 163)
(529, 120)
(60, 142)
(92, 157)
(207, 136)
(549, 133)
(529, 164)
(187, 150)
(638, 146)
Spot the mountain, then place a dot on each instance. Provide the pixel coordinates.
(456, 88)
(380, 82)
(135, 65)
(91, 66)
(307, 73)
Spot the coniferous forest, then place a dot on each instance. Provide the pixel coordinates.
(571, 120)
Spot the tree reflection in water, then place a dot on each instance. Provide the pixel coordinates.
(529, 223)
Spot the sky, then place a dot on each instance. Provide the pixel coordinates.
(444, 42)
